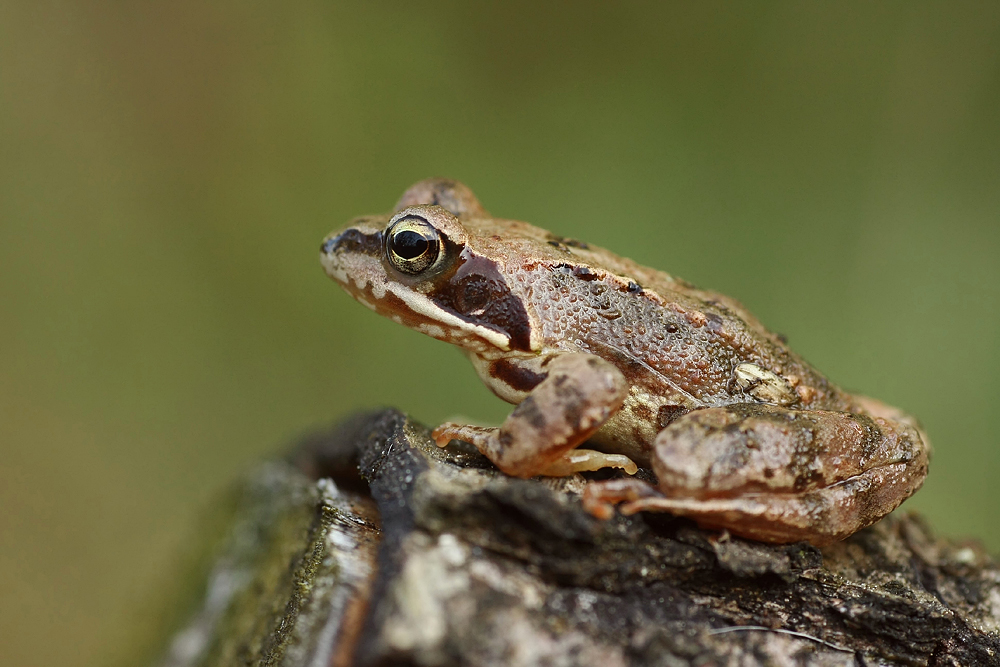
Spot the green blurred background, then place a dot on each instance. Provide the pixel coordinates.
(167, 171)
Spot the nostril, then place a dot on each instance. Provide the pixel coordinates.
(329, 244)
(352, 241)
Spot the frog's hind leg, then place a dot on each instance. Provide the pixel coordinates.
(579, 393)
(776, 474)
(819, 517)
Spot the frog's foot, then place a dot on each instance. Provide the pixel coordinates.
(579, 394)
(748, 518)
(580, 460)
(573, 461)
(475, 435)
(600, 498)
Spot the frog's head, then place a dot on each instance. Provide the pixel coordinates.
(420, 267)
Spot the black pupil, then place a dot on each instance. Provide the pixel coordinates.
(409, 244)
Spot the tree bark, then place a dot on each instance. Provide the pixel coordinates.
(371, 546)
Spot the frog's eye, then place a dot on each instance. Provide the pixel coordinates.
(412, 245)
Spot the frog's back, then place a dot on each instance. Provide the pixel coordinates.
(673, 339)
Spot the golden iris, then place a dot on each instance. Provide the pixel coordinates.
(412, 245)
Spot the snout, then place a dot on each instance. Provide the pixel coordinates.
(352, 249)
(352, 240)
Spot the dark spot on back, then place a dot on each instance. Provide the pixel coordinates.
(562, 241)
(583, 273)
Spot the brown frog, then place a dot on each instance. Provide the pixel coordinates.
(742, 434)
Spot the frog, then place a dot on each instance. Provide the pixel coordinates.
(614, 367)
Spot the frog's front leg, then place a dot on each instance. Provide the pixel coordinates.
(579, 393)
(776, 474)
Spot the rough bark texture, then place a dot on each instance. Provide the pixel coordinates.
(460, 564)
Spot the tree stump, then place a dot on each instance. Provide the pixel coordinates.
(371, 546)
